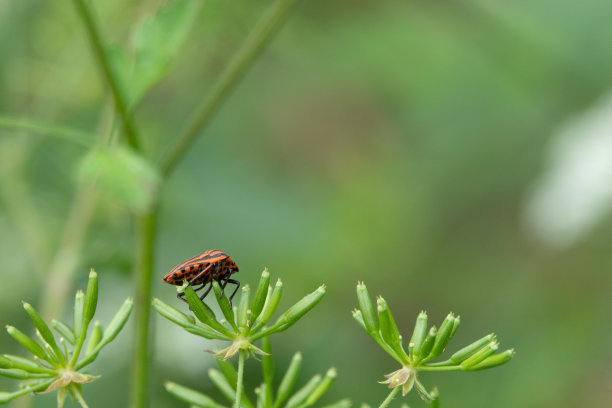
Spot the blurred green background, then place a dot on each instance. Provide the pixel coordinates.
(428, 148)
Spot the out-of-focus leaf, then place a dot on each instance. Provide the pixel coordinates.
(123, 175)
(155, 43)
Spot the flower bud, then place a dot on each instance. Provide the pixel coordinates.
(455, 326)
(467, 351)
(118, 321)
(494, 360)
(94, 338)
(443, 336)
(303, 393)
(202, 330)
(388, 330)
(64, 330)
(269, 306)
(43, 329)
(303, 306)
(203, 312)
(322, 387)
(428, 343)
(367, 309)
(243, 307)
(18, 374)
(24, 364)
(260, 294)
(27, 342)
(480, 355)
(79, 302)
(288, 381)
(224, 305)
(419, 333)
(172, 314)
(5, 362)
(91, 299)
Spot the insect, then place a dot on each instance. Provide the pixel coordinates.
(212, 265)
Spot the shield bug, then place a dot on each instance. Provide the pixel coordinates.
(212, 265)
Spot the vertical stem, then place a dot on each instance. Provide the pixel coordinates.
(96, 42)
(147, 224)
(241, 358)
(391, 395)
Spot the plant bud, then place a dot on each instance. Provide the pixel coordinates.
(79, 301)
(494, 360)
(190, 396)
(118, 321)
(243, 307)
(303, 306)
(91, 299)
(442, 337)
(367, 309)
(94, 338)
(467, 351)
(224, 305)
(419, 333)
(322, 387)
(5, 362)
(172, 314)
(27, 342)
(480, 355)
(388, 330)
(43, 329)
(428, 343)
(269, 307)
(288, 381)
(260, 294)
(303, 393)
(64, 330)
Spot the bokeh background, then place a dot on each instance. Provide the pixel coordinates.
(455, 156)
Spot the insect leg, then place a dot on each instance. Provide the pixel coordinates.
(206, 292)
(235, 282)
(182, 294)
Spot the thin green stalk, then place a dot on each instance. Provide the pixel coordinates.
(240, 375)
(147, 224)
(102, 59)
(30, 126)
(238, 66)
(390, 397)
(441, 368)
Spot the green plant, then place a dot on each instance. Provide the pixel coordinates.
(242, 326)
(56, 364)
(425, 345)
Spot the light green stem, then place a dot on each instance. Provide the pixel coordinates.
(390, 397)
(147, 225)
(441, 368)
(102, 59)
(238, 66)
(240, 376)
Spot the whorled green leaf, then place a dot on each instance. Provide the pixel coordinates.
(123, 175)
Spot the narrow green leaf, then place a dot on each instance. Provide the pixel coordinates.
(429, 342)
(303, 306)
(389, 331)
(9, 396)
(24, 364)
(118, 321)
(191, 396)
(203, 312)
(442, 337)
(288, 381)
(20, 374)
(200, 329)
(343, 403)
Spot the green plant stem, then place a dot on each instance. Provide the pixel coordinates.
(390, 397)
(59, 132)
(147, 224)
(76, 391)
(240, 376)
(441, 368)
(237, 67)
(96, 42)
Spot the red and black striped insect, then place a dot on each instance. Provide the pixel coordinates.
(212, 265)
